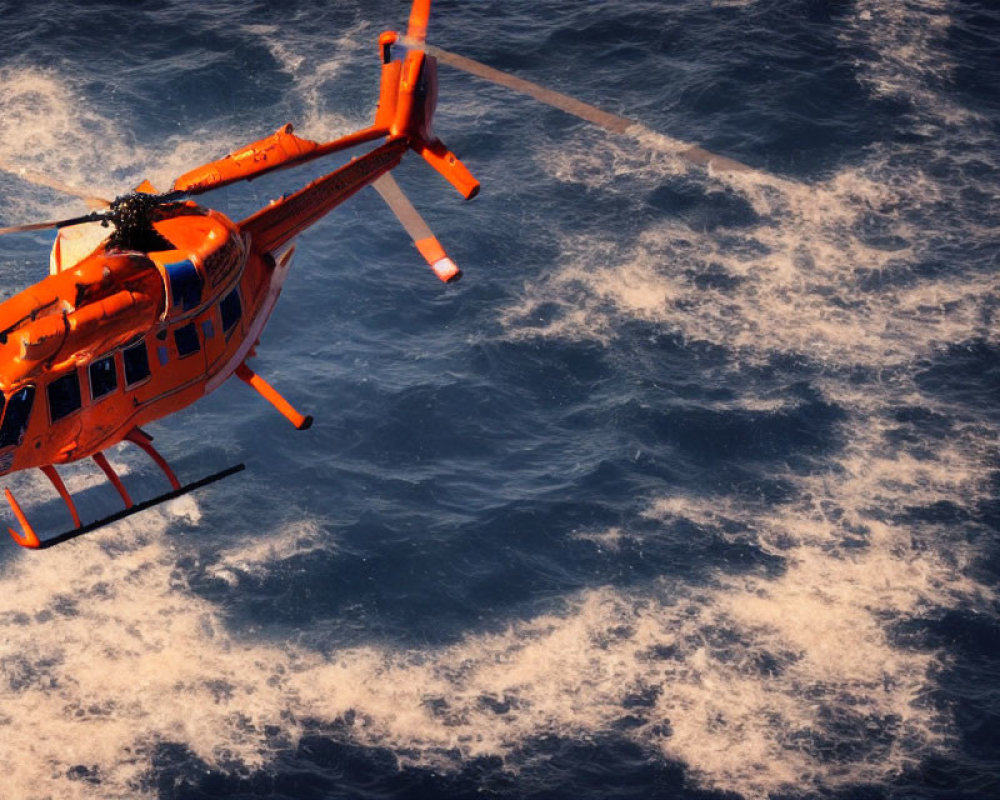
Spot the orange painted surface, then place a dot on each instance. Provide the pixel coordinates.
(279, 148)
(419, 14)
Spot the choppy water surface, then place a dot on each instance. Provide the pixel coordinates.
(686, 491)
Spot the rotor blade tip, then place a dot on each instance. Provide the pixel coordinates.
(446, 270)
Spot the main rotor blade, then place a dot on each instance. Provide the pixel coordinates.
(31, 226)
(93, 201)
(57, 223)
(424, 239)
(613, 123)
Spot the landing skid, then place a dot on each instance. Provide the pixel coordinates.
(31, 540)
(28, 538)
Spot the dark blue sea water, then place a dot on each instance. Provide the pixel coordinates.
(687, 490)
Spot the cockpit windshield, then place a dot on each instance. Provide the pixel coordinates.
(15, 420)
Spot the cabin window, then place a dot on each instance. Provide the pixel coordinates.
(186, 339)
(231, 310)
(15, 423)
(64, 396)
(136, 361)
(185, 284)
(103, 377)
(207, 329)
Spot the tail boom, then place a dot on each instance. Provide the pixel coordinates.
(280, 222)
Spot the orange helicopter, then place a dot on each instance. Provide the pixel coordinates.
(173, 301)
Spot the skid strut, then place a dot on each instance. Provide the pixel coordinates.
(139, 437)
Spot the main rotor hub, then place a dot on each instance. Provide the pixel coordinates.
(133, 215)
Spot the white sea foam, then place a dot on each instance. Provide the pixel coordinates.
(106, 657)
(906, 60)
(46, 129)
(296, 56)
(51, 129)
(796, 278)
(256, 559)
(853, 566)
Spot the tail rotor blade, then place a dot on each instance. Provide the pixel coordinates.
(424, 239)
(620, 126)
(416, 30)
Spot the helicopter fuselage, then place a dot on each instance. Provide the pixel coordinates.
(123, 338)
